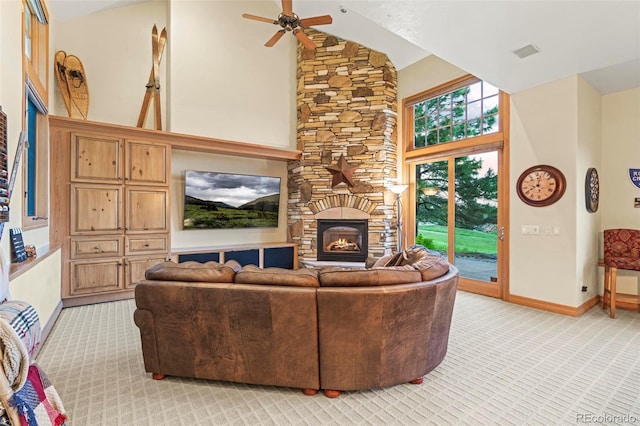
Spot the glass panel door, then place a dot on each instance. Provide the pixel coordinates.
(457, 215)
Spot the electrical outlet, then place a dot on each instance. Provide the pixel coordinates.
(530, 229)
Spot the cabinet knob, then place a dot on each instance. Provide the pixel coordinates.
(97, 248)
(126, 228)
(146, 245)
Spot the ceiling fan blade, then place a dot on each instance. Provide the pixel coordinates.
(274, 38)
(316, 20)
(259, 18)
(287, 8)
(304, 39)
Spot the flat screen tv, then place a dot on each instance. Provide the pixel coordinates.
(215, 200)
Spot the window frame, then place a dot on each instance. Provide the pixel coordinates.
(466, 144)
(35, 64)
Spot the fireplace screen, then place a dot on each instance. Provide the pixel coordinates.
(342, 240)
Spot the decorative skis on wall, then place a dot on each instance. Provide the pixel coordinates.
(153, 85)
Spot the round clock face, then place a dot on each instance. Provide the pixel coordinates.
(541, 185)
(592, 190)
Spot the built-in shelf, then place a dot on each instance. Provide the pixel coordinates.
(18, 268)
(265, 255)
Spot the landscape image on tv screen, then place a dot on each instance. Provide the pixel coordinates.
(224, 200)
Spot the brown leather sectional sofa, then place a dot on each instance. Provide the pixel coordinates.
(335, 329)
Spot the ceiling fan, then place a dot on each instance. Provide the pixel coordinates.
(289, 21)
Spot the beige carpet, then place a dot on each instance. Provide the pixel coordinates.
(506, 365)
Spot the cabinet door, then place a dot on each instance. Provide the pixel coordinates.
(136, 266)
(96, 158)
(147, 210)
(96, 276)
(147, 163)
(96, 209)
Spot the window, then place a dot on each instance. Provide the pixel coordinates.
(35, 154)
(468, 111)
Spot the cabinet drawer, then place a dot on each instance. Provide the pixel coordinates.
(147, 244)
(105, 247)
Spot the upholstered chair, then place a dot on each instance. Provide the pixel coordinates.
(621, 251)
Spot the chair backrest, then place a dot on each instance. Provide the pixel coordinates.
(621, 243)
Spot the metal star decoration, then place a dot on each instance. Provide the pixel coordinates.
(342, 172)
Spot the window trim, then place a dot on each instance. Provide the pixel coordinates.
(35, 83)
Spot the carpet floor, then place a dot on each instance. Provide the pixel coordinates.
(506, 365)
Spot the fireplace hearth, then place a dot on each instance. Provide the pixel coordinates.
(342, 240)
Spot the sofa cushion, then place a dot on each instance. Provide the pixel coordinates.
(251, 274)
(431, 264)
(191, 271)
(339, 277)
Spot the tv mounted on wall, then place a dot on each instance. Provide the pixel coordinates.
(215, 200)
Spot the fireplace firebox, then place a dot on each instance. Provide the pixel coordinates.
(343, 240)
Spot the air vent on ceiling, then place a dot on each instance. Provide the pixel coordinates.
(528, 50)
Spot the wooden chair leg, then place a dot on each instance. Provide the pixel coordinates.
(310, 392)
(329, 393)
(158, 376)
(612, 295)
(607, 286)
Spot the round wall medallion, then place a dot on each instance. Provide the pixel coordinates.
(541, 185)
(592, 190)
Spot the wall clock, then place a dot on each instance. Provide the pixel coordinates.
(592, 190)
(541, 185)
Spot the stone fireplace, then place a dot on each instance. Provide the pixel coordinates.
(347, 104)
(343, 240)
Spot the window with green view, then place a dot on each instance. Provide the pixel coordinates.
(463, 113)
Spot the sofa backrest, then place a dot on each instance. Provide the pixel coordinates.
(209, 272)
(234, 332)
(403, 330)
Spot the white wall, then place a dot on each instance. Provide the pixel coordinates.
(40, 286)
(588, 155)
(620, 151)
(115, 49)
(224, 82)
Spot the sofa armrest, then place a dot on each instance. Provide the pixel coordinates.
(144, 320)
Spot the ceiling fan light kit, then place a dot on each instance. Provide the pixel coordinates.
(289, 21)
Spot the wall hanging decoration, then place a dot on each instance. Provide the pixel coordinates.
(592, 190)
(342, 172)
(634, 175)
(72, 82)
(153, 85)
(541, 185)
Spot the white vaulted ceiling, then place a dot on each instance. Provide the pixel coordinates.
(599, 40)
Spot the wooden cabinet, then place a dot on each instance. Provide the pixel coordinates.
(96, 209)
(118, 212)
(147, 164)
(147, 210)
(96, 158)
